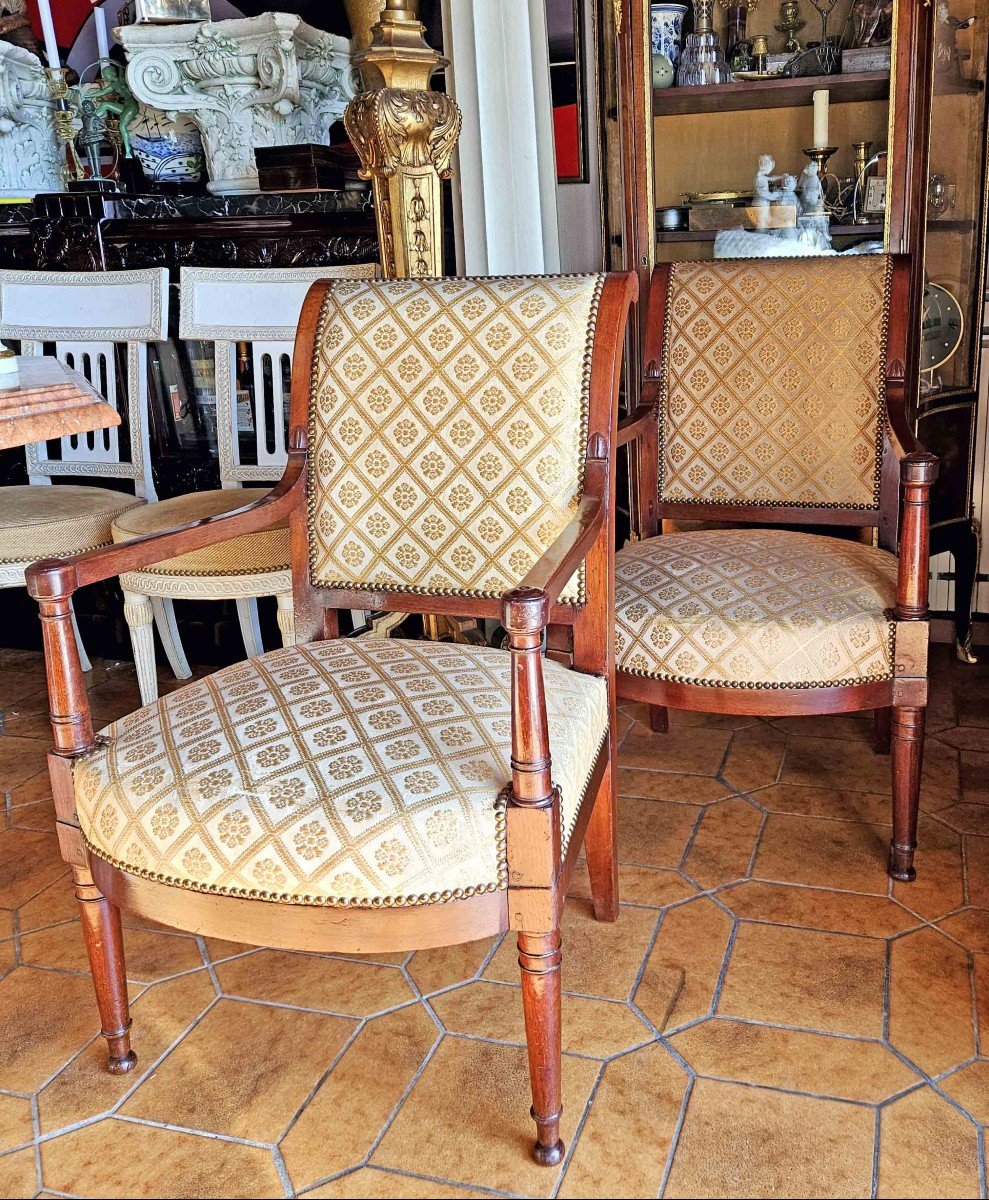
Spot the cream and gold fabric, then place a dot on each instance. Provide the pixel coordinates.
(45, 522)
(342, 772)
(448, 430)
(755, 608)
(773, 381)
(254, 553)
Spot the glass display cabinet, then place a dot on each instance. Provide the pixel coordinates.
(822, 126)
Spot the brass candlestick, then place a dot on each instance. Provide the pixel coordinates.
(790, 23)
(861, 166)
(830, 184)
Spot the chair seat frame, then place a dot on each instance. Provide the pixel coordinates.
(538, 872)
(902, 524)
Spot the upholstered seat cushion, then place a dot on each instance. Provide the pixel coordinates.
(345, 772)
(755, 608)
(45, 522)
(255, 553)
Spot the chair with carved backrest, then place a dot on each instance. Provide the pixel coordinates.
(99, 324)
(774, 396)
(229, 307)
(451, 450)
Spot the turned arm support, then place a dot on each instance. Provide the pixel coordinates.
(918, 471)
(52, 582)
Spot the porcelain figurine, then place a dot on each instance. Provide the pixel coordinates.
(811, 190)
(270, 80)
(762, 186)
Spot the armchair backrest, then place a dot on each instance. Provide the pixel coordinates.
(260, 308)
(772, 384)
(448, 430)
(99, 323)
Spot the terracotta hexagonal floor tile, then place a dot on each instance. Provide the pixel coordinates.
(39, 816)
(184, 1164)
(686, 749)
(794, 1061)
(977, 870)
(966, 818)
(668, 785)
(770, 1144)
(29, 861)
(50, 906)
(970, 1087)
(16, 1124)
(374, 1184)
(754, 758)
(970, 927)
(245, 1070)
(359, 1096)
(20, 759)
(820, 981)
(48, 1017)
(626, 1138)
(966, 738)
(313, 981)
(148, 956)
(818, 908)
(822, 853)
(18, 1174)
(85, 1089)
(33, 790)
(654, 887)
(480, 1085)
(653, 833)
(874, 808)
(684, 966)
(845, 726)
(926, 1149)
(930, 1001)
(822, 762)
(975, 777)
(447, 965)
(722, 847)
(599, 958)
(596, 1028)
(940, 884)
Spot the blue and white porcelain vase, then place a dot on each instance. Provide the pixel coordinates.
(168, 146)
(667, 29)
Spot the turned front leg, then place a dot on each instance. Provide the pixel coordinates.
(907, 749)
(105, 946)
(540, 958)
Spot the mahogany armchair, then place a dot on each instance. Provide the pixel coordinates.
(451, 450)
(774, 396)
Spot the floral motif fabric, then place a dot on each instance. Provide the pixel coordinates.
(345, 772)
(755, 608)
(449, 430)
(774, 381)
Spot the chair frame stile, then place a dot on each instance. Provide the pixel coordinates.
(902, 521)
(538, 874)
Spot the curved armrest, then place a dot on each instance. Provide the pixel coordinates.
(53, 577)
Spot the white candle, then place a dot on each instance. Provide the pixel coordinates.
(102, 43)
(822, 99)
(48, 32)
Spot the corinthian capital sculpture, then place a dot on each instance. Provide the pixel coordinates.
(270, 80)
(405, 135)
(30, 158)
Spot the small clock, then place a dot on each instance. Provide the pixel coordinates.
(942, 328)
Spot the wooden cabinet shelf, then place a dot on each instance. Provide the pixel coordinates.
(773, 93)
(708, 235)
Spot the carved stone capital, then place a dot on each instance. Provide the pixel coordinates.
(270, 80)
(30, 159)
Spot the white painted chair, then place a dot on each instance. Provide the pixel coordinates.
(225, 307)
(99, 323)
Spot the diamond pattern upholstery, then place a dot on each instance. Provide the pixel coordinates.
(449, 428)
(755, 608)
(773, 381)
(345, 772)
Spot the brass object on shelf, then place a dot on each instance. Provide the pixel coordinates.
(362, 16)
(790, 24)
(405, 135)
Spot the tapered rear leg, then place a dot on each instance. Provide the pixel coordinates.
(907, 747)
(884, 729)
(601, 845)
(659, 719)
(105, 947)
(540, 957)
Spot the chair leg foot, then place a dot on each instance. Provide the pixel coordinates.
(907, 751)
(601, 847)
(540, 957)
(659, 719)
(139, 615)
(105, 947)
